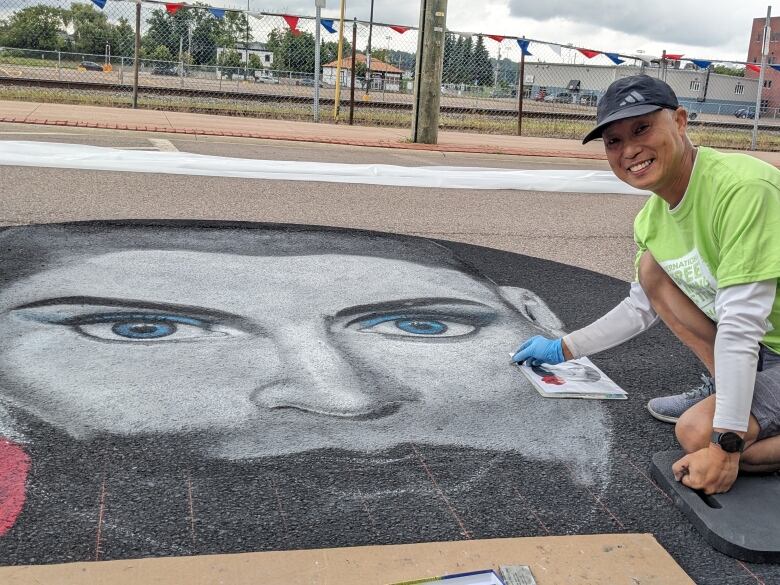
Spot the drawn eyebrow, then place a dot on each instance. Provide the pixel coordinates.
(407, 304)
(135, 304)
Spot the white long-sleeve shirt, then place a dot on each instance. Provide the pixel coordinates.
(741, 312)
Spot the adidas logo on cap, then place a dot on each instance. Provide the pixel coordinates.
(632, 98)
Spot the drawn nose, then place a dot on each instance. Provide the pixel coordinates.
(319, 377)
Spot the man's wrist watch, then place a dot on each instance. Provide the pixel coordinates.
(728, 441)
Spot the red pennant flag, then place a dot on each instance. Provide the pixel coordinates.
(756, 68)
(174, 8)
(497, 38)
(673, 56)
(292, 22)
(399, 29)
(588, 53)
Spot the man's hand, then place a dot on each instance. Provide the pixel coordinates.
(711, 470)
(540, 350)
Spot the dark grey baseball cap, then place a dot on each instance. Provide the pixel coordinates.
(631, 96)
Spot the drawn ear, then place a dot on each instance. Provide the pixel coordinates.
(533, 308)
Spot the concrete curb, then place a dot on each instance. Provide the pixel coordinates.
(315, 139)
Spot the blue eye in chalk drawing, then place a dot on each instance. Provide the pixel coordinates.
(135, 327)
(414, 326)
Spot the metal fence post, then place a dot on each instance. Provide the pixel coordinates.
(520, 92)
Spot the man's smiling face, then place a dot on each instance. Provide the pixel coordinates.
(647, 152)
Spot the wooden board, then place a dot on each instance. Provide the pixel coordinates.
(596, 559)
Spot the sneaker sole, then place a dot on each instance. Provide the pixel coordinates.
(662, 417)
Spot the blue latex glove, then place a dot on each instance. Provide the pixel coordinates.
(540, 350)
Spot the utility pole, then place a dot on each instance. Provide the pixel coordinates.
(319, 5)
(764, 51)
(428, 70)
(136, 62)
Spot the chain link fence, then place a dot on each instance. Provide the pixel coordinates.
(200, 59)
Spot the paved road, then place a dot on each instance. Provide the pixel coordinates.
(590, 231)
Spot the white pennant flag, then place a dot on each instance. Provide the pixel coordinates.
(556, 49)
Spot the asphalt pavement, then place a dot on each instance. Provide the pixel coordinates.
(575, 251)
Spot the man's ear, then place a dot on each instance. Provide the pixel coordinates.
(533, 308)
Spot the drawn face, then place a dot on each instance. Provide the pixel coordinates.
(264, 355)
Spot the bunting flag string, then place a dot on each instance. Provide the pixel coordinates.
(524, 46)
(329, 25)
(292, 22)
(173, 8)
(589, 53)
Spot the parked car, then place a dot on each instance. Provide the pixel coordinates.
(266, 77)
(745, 113)
(561, 98)
(171, 70)
(307, 81)
(90, 66)
(589, 99)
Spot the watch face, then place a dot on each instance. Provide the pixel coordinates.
(730, 442)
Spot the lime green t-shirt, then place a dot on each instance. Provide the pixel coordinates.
(724, 232)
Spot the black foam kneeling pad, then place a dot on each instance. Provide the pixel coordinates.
(743, 523)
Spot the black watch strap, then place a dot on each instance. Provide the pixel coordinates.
(729, 441)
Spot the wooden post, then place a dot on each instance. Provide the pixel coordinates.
(428, 71)
(352, 74)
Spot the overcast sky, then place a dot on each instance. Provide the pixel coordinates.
(717, 29)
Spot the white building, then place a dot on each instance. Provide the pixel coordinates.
(699, 90)
(266, 57)
(383, 75)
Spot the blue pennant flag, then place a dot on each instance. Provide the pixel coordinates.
(701, 64)
(775, 67)
(524, 46)
(327, 24)
(217, 12)
(615, 58)
(100, 3)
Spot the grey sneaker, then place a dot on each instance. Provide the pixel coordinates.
(670, 408)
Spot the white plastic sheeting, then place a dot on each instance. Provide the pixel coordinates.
(78, 156)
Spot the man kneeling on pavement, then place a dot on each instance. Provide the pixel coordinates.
(708, 264)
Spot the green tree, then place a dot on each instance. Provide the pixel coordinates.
(37, 27)
(229, 58)
(482, 69)
(293, 52)
(329, 51)
(123, 43)
(91, 29)
(255, 62)
(726, 70)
